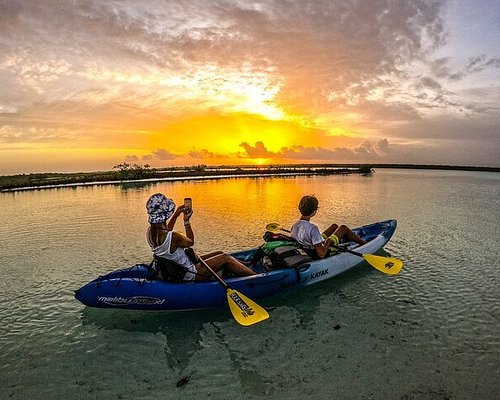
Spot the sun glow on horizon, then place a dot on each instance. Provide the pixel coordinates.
(224, 132)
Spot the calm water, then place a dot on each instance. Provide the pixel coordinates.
(431, 332)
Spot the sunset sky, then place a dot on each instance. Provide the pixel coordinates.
(88, 84)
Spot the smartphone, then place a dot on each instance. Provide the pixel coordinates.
(188, 204)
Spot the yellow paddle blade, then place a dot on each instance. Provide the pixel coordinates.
(273, 227)
(245, 311)
(387, 265)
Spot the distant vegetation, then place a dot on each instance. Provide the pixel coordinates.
(127, 171)
(133, 172)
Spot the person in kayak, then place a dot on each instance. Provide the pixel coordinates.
(318, 244)
(170, 245)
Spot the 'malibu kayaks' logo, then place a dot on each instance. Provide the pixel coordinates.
(246, 310)
(135, 300)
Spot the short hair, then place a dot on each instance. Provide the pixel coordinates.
(308, 204)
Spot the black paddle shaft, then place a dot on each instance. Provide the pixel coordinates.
(347, 250)
(212, 271)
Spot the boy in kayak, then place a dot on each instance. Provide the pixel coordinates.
(169, 245)
(309, 236)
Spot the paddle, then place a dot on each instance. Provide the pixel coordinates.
(245, 311)
(387, 265)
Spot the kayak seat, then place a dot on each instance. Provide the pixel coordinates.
(166, 270)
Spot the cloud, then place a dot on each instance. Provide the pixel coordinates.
(8, 109)
(11, 135)
(329, 45)
(131, 158)
(162, 154)
(166, 155)
(205, 154)
(429, 83)
(474, 65)
(340, 49)
(366, 151)
(257, 151)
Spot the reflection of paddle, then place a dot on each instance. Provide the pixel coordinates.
(387, 265)
(245, 311)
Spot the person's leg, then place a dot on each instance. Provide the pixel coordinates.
(344, 232)
(215, 263)
(330, 230)
(220, 261)
(236, 267)
(210, 255)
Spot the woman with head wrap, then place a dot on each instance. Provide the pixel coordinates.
(169, 245)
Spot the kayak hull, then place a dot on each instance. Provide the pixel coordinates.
(132, 288)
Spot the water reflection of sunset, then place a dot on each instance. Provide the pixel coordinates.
(229, 214)
(238, 206)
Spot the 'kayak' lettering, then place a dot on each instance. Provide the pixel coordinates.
(246, 310)
(319, 273)
(141, 300)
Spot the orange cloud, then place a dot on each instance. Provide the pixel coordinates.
(365, 152)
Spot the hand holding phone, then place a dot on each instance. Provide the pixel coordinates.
(188, 205)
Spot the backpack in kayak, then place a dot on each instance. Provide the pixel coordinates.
(283, 254)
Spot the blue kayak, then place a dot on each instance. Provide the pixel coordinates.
(133, 288)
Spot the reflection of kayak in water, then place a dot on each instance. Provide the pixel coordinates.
(132, 287)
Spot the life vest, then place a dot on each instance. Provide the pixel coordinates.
(281, 251)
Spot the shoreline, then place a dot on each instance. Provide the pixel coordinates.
(150, 180)
(138, 174)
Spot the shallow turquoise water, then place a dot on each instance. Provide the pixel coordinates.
(431, 332)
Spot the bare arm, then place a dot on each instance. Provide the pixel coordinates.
(187, 225)
(322, 248)
(178, 239)
(173, 220)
